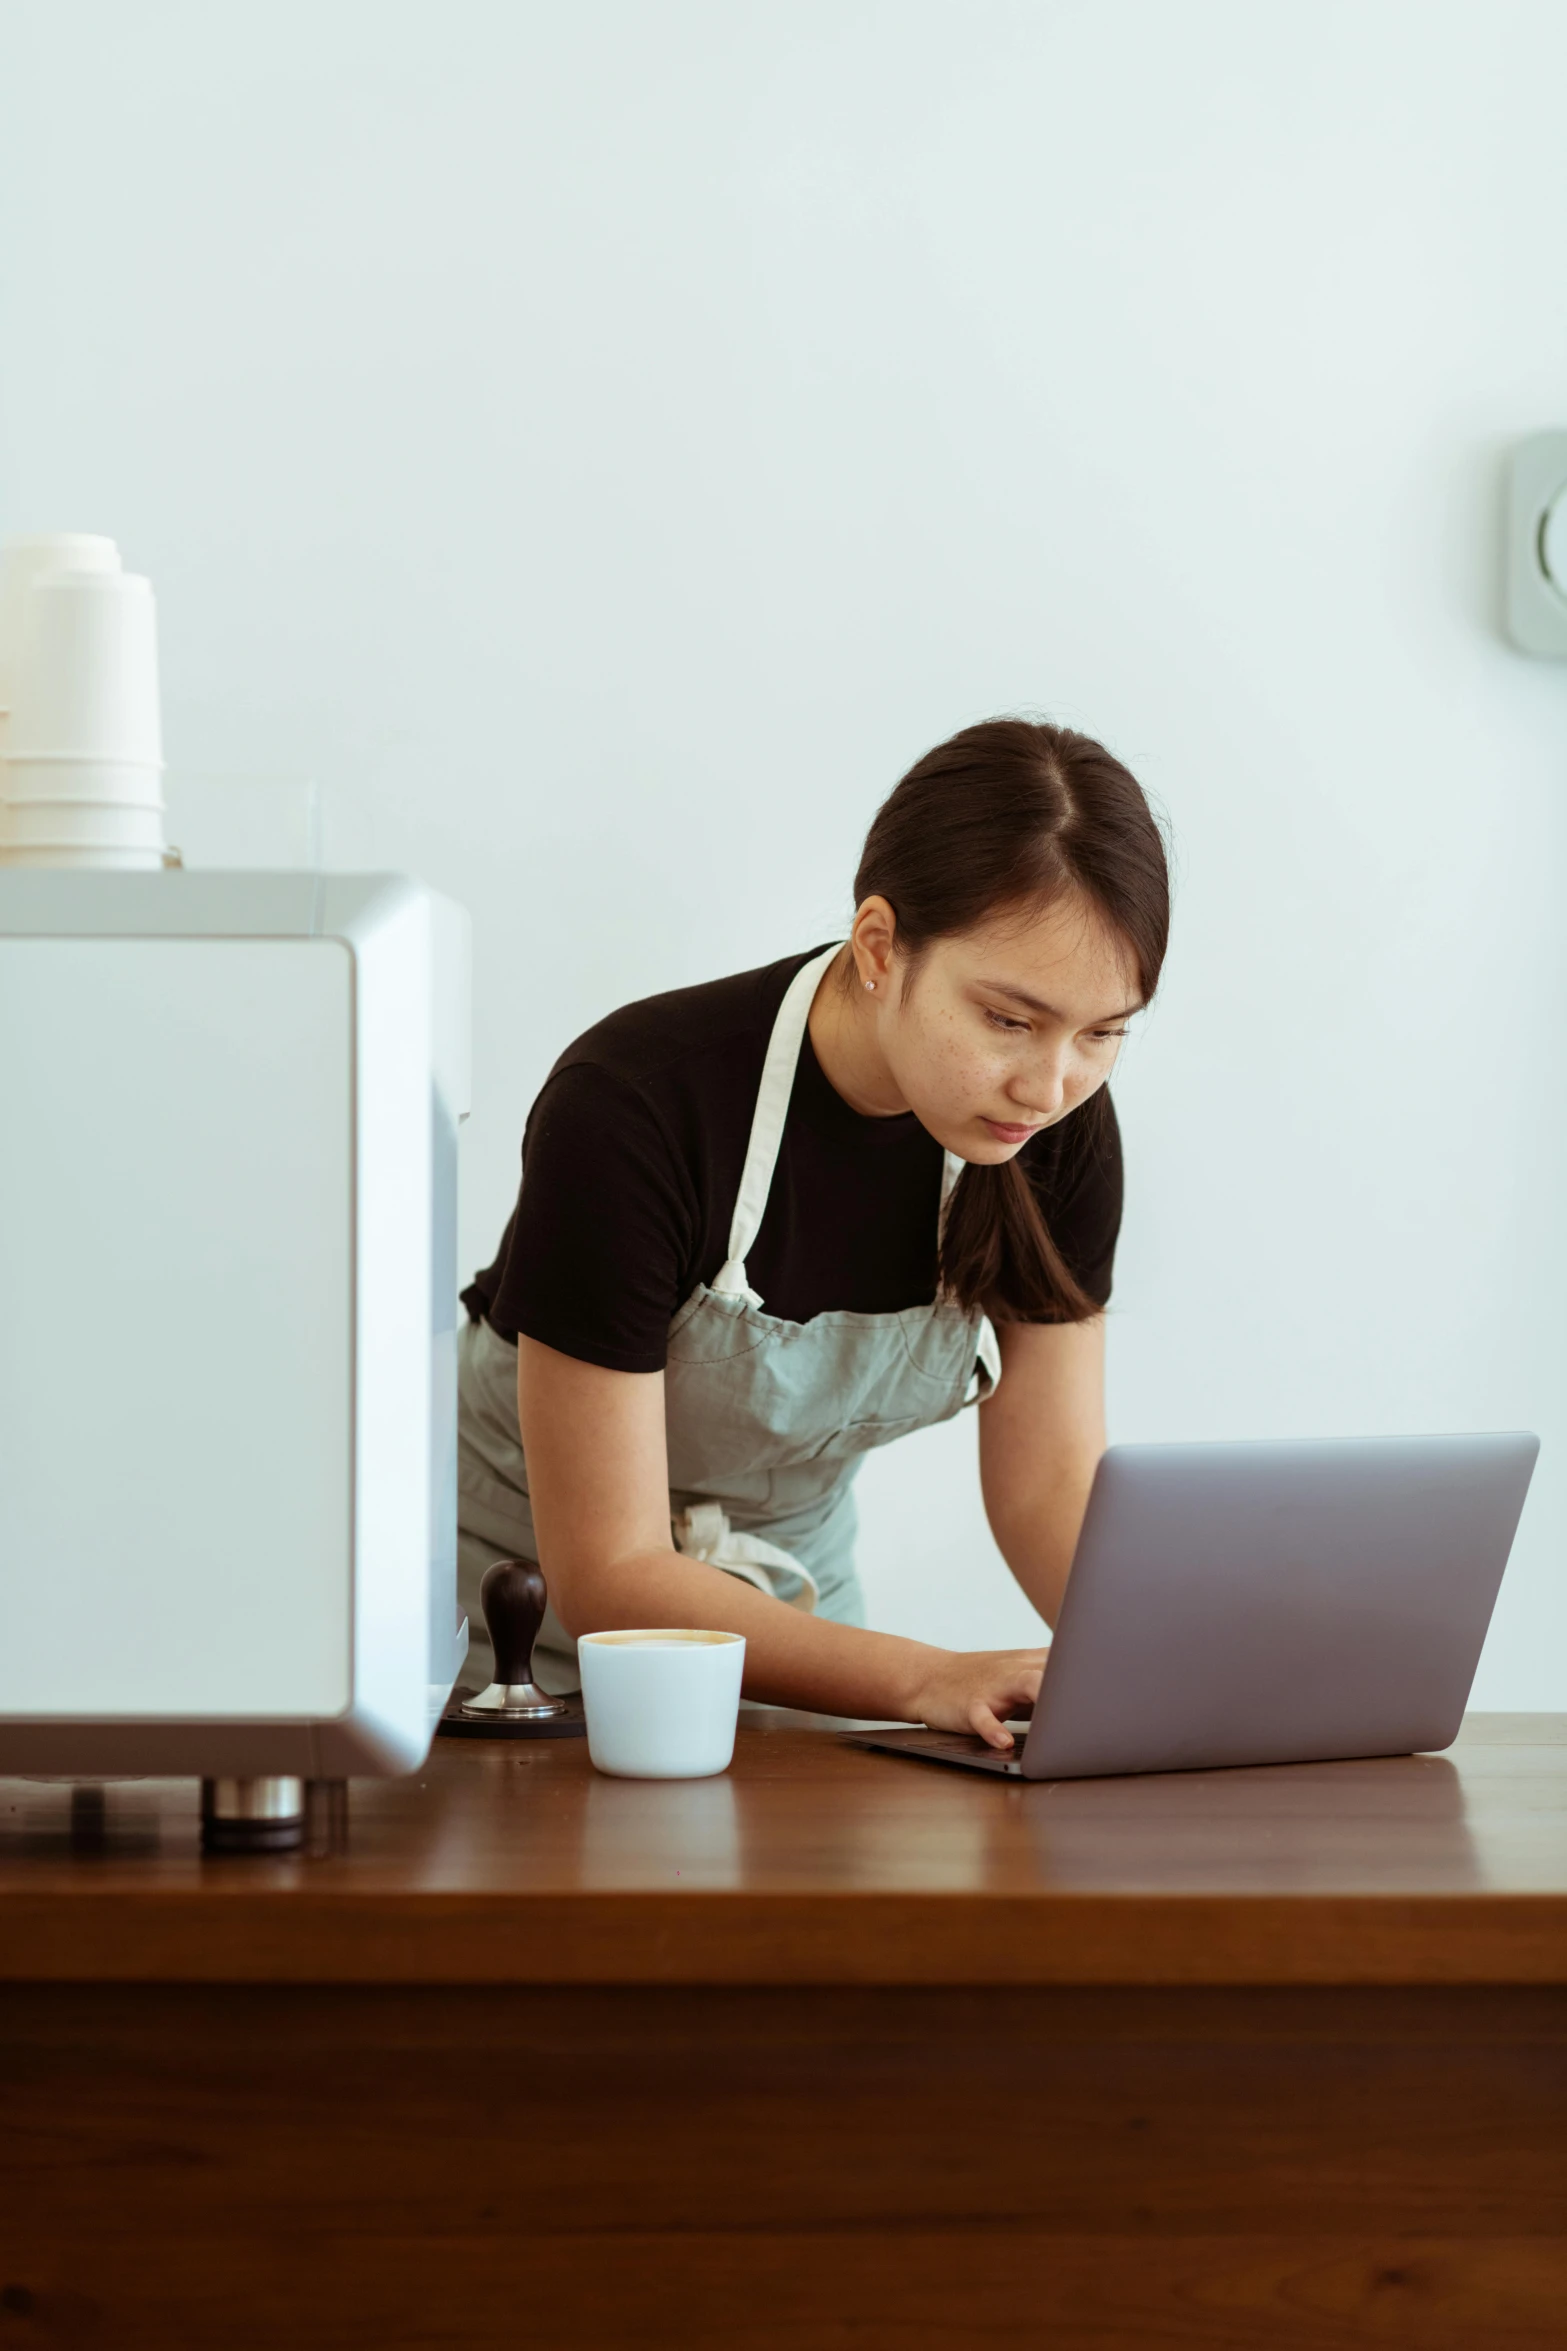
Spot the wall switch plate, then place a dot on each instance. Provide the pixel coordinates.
(1537, 545)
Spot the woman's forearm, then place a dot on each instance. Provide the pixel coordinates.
(1040, 1438)
(791, 1659)
(1036, 1532)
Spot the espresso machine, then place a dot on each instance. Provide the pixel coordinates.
(229, 1105)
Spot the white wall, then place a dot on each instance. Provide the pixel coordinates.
(603, 445)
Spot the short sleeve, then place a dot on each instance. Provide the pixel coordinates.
(1079, 1184)
(597, 1253)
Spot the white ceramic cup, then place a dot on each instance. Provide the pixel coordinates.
(21, 562)
(86, 680)
(95, 782)
(75, 824)
(661, 1704)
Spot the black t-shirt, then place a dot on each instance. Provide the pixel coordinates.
(631, 1164)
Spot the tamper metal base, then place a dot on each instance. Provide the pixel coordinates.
(512, 1702)
(458, 1723)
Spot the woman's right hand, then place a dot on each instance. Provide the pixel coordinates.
(976, 1689)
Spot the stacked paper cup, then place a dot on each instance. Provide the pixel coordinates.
(82, 777)
(20, 564)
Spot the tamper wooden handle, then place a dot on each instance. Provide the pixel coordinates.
(513, 1597)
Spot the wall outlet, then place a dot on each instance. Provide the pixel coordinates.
(1537, 545)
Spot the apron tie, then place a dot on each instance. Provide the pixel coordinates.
(702, 1531)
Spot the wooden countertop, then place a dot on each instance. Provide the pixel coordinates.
(812, 1862)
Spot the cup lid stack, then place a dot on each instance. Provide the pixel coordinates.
(81, 751)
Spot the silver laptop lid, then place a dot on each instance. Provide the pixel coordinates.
(1277, 1602)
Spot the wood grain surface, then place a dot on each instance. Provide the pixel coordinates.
(634, 2166)
(815, 1862)
(837, 2051)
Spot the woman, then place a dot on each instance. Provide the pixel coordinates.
(770, 1222)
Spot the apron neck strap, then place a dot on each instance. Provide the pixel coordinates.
(767, 1123)
(767, 1126)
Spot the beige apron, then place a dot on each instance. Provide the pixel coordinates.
(767, 1421)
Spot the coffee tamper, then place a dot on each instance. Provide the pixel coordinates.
(513, 1596)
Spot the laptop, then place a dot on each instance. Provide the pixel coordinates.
(1266, 1603)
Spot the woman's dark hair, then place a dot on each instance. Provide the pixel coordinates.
(1010, 815)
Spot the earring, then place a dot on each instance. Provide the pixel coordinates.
(870, 984)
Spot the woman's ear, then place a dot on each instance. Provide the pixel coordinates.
(871, 943)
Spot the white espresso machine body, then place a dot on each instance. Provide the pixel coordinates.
(228, 1298)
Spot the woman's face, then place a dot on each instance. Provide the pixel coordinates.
(997, 1032)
